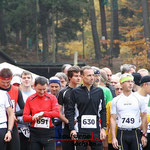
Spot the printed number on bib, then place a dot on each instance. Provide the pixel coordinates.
(88, 121)
(148, 128)
(128, 121)
(25, 131)
(42, 123)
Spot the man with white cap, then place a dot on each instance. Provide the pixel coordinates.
(131, 113)
(16, 80)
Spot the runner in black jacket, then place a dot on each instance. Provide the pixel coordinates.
(87, 103)
(63, 100)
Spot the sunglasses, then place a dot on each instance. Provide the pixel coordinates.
(117, 89)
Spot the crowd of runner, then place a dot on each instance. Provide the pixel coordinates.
(84, 108)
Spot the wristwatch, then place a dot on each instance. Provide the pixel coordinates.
(145, 135)
(9, 130)
(104, 128)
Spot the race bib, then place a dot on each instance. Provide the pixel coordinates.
(25, 131)
(42, 123)
(13, 104)
(88, 121)
(148, 128)
(128, 121)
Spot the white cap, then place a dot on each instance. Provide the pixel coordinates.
(16, 79)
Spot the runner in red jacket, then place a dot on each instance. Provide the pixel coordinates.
(39, 109)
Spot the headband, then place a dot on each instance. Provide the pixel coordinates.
(55, 81)
(3, 78)
(126, 79)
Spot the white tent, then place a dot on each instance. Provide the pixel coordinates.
(15, 69)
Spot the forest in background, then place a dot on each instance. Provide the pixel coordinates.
(99, 30)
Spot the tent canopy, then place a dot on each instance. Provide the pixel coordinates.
(15, 69)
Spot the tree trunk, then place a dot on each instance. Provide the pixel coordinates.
(56, 38)
(145, 12)
(114, 46)
(43, 22)
(33, 32)
(17, 37)
(94, 31)
(103, 23)
(23, 34)
(3, 39)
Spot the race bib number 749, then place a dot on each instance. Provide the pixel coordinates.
(128, 121)
(88, 121)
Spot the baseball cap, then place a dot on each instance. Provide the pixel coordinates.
(137, 78)
(16, 79)
(145, 79)
(96, 70)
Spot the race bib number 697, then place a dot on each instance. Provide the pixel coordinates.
(88, 121)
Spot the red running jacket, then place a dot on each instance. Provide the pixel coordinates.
(35, 104)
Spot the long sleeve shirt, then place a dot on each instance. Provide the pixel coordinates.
(83, 104)
(35, 104)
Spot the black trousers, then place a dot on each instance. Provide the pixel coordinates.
(110, 147)
(42, 143)
(42, 139)
(24, 142)
(14, 144)
(67, 144)
(82, 143)
(2, 135)
(129, 140)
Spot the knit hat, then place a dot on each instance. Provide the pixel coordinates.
(145, 79)
(54, 80)
(137, 78)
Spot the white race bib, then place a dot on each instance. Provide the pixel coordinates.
(148, 128)
(88, 121)
(42, 123)
(13, 104)
(128, 121)
(25, 131)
